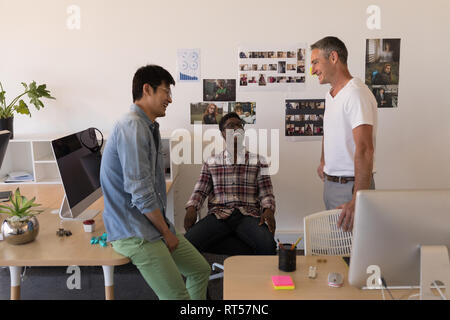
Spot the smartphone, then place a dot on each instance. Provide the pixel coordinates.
(4, 195)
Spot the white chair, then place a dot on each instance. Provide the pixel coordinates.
(323, 237)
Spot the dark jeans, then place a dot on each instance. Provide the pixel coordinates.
(236, 235)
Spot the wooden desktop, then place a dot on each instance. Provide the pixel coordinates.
(48, 249)
(249, 278)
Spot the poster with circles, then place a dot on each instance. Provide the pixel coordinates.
(188, 65)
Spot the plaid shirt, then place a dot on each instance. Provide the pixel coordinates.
(245, 186)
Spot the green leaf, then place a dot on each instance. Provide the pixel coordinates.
(15, 200)
(2, 97)
(7, 210)
(22, 108)
(28, 203)
(42, 92)
(33, 86)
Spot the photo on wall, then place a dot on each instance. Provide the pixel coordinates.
(208, 112)
(219, 89)
(304, 117)
(245, 110)
(382, 70)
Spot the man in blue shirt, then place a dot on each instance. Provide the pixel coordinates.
(134, 189)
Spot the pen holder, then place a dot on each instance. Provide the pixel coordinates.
(287, 258)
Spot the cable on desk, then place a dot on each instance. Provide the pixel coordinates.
(443, 297)
(383, 282)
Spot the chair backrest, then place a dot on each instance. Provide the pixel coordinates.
(323, 237)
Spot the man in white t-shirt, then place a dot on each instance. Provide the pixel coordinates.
(350, 125)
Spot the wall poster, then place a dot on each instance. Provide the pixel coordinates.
(382, 70)
(304, 117)
(271, 68)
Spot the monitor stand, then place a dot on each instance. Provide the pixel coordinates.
(66, 213)
(434, 268)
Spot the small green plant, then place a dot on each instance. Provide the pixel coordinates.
(34, 93)
(21, 209)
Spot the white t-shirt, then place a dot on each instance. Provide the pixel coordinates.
(353, 106)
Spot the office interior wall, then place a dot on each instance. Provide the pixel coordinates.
(90, 70)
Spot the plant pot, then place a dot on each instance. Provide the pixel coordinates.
(20, 232)
(7, 124)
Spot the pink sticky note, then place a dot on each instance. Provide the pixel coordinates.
(282, 282)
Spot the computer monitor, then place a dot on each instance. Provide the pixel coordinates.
(4, 141)
(78, 157)
(391, 230)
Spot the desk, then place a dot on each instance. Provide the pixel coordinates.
(249, 278)
(50, 250)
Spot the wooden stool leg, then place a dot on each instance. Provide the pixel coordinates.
(15, 282)
(109, 293)
(108, 273)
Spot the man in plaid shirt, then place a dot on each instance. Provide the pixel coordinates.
(241, 203)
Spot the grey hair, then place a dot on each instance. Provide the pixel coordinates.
(330, 44)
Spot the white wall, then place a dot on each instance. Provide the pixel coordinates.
(89, 72)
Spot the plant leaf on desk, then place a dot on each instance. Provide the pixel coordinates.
(3, 209)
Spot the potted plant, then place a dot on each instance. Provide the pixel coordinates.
(34, 93)
(21, 226)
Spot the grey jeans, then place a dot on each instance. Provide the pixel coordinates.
(336, 194)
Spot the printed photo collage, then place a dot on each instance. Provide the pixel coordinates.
(304, 117)
(271, 68)
(219, 98)
(382, 70)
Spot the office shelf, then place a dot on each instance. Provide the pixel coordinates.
(33, 156)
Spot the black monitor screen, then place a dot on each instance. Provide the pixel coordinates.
(78, 157)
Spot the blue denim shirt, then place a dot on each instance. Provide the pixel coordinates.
(132, 178)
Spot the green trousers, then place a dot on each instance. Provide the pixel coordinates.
(162, 270)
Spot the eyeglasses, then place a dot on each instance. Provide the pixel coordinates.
(168, 91)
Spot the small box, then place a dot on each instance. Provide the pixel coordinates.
(89, 225)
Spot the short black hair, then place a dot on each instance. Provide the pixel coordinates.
(153, 75)
(226, 117)
(330, 44)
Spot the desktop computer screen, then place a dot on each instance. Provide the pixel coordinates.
(4, 141)
(78, 157)
(390, 227)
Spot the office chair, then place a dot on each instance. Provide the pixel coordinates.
(323, 237)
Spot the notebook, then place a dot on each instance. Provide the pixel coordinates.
(282, 282)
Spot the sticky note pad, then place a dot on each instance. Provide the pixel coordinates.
(282, 282)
